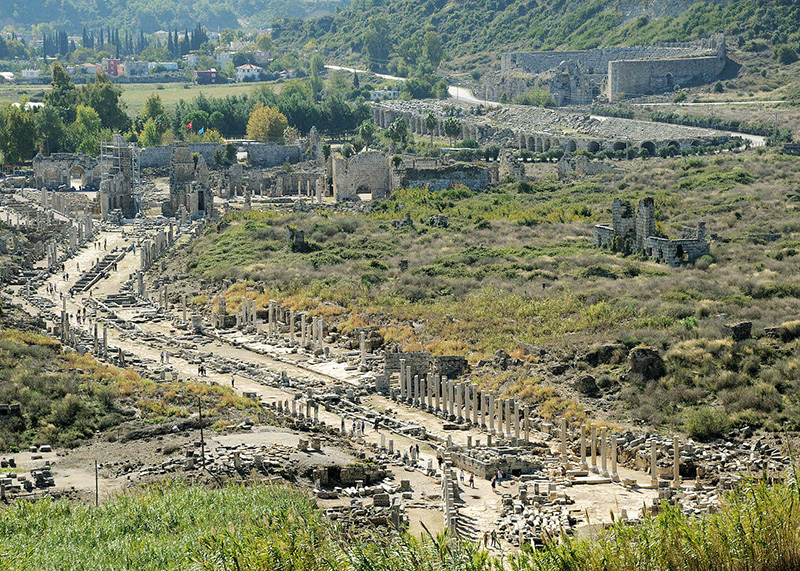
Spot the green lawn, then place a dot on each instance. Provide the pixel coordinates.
(135, 94)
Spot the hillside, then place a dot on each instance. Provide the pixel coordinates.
(152, 15)
(491, 26)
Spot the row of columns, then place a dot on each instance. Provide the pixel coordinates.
(463, 402)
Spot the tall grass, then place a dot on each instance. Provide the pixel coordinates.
(268, 528)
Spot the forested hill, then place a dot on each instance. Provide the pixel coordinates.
(475, 26)
(152, 15)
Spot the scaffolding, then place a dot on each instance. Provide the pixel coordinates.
(121, 158)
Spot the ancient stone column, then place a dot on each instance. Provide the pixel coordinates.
(584, 465)
(604, 452)
(449, 402)
(653, 458)
(403, 393)
(459, 400)
(303, 327)
(676, 460)
(430, 386)
(438, 392)
(515, 419)
(593, 467)
(184, 307)
(105, 342)
(484, 407)
(477, 405)
(491, 411)
(508, 406)
(614, 475)
(563, 439)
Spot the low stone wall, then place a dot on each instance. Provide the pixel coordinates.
(474, 177)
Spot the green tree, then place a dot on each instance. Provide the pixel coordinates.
(266, 124)
(49, 130)
(432, 48)
(367, 131)
(87, 130)
(785, 54)
(397, 131)
(263, 42)
(150, 136)
(63, 97)
(17, 134)
(431, 122)
(153, 107)
(376, 43)
(452, 128)
(104, 98)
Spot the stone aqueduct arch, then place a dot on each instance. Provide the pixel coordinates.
(536, 142)
(59, 168)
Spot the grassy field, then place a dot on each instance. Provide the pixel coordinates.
(516, 265)
(171, 526)
(135, 94)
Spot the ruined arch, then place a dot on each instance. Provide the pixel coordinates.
(593, 146)
(545, 145)
(669, 81)
(649, 146)
(696, 143)
(620, 146)
(77, 174)
(51, 176)
(572, 146)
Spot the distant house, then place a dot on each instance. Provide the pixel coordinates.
(133, 68)
(89, 68)
(166, 65)
(248, 72)
(31, 73)
(206, 77)
(383, 94)
(191, 59)
(262, 57)
(112, 67)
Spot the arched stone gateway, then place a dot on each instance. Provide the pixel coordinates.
(572, 146)
(593, 147)
(59, 168)
(77, 177)
(650, 147)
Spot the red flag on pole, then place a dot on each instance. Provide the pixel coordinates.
(189, 126)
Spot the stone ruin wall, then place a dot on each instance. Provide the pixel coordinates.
(642, 77)
(597, 60)
(55, 170)
(363, 172)
(474, 177)
(261, 154)
(621, 70)
(630, 233)
(541, 141)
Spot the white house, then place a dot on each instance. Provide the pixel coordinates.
(383, 94)
(167, 65)
(31, 73)
(248, 72)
